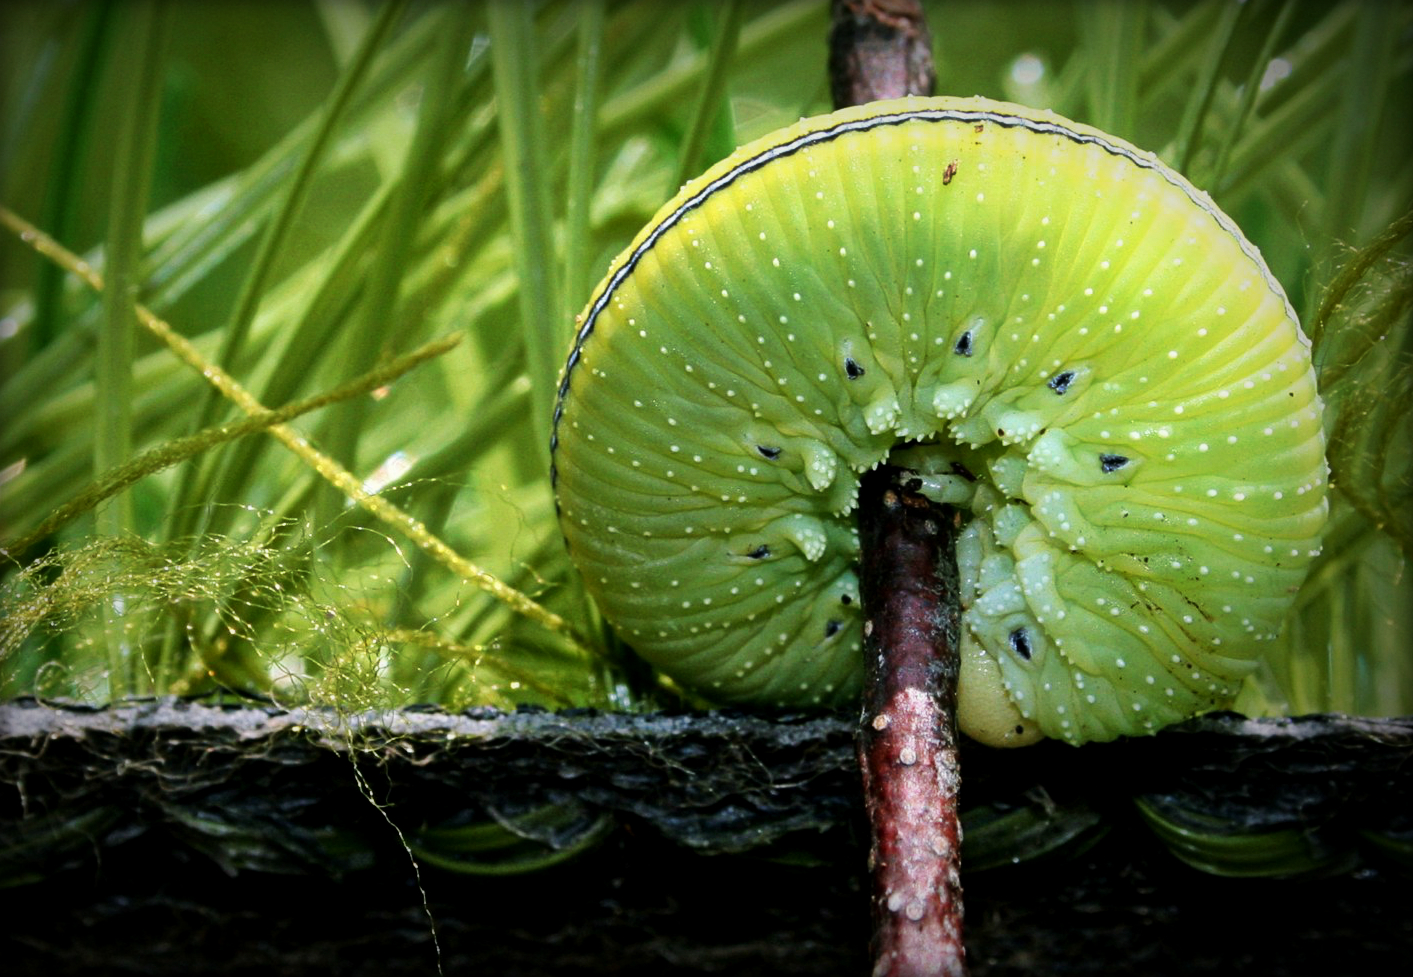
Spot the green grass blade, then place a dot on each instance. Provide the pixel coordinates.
(514, 63)
(1163, 63)
(1113, 33)
(1189, 136)
(1357, 129)
(144, 32)
(582, 152)
(145, 27)
(295, 189)
(712, 102)
(197, 245)
(71, 153)
(255, 602)
(178, 450)
(300, 351)
(1249, 91)
(377, 328)
(630, 108)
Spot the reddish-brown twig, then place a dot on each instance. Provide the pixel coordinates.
(907, 737)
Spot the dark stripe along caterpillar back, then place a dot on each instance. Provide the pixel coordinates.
(1058, 333)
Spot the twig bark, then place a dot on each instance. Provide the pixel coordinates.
(879, 49)
(907, 741)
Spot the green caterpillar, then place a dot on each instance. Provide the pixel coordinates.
(1058, 333)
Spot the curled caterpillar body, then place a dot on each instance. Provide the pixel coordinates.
(1056, 332)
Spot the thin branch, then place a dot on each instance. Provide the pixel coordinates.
(907, 741)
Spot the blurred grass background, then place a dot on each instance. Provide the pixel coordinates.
(308, 191)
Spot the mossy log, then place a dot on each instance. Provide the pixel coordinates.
(169, 837)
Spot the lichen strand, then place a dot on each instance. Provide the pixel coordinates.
(1085, 355)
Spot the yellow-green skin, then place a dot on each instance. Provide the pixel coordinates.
(1063, 338)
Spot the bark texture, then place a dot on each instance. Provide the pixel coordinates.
(908, 734)
(907, 740)
(879, 49)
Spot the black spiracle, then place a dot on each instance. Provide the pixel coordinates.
(760, 552)
(768, 452)
(963, 347)
(1112, 463)
(852, 369)
(1020, 643)
(1060, 382)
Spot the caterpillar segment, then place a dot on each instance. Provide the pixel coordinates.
(1065, 340)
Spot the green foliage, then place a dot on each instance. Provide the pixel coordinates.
(329, 186)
